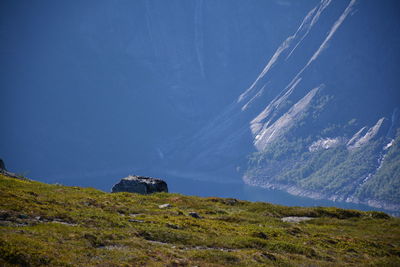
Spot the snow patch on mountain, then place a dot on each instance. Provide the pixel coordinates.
(388, 145)
(271, 62)
(306, 25)
(270, 133)
(259, 93)
(334, 28)
(308, 22)
(358, 140)
(326, 143)
(357, 136)
(265, 117)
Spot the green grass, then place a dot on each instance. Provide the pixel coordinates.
(55, 225)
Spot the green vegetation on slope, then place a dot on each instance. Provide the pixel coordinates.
(385, 184)
(334, 171)
(55, 225)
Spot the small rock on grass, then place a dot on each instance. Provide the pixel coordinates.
(173, 226)
(135, 221)
(164, 206)
(294, 219)
(194, 215)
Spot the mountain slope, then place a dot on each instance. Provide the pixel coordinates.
(42, 224)
(108, 88)
(319, 118)
(305, 90)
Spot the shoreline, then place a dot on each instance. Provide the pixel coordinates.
(297, 191)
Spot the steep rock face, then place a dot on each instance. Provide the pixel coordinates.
(2, 166)
(140, 184)
(317, 118)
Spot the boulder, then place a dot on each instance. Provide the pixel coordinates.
(140, 184)
(2, 166)
(195, 215)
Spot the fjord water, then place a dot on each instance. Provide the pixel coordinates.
(251, 193)
(204, 187)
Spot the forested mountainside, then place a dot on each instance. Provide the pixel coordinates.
(322, 117)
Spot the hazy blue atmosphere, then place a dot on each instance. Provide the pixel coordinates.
(229, 98)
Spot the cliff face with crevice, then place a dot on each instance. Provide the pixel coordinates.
(321, 119)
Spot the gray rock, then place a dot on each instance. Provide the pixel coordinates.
(295, 219)
(194, 215)
(173, 226)
(261, 235)
(23, 216)
(136, 221)
(140, 184)
(163, 206)
(2, 166)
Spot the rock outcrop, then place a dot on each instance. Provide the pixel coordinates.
(140, 184)
(2, 166)
(4, 171)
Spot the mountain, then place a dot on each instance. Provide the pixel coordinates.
(108, 88)
(322, 117)
(296, 95)
(55, 225)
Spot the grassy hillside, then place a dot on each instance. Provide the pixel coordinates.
(55, 225)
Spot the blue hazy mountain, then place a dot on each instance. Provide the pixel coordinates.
(322, 117)
(99, 86)
(297, 95)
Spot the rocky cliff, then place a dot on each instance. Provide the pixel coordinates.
(321, 119)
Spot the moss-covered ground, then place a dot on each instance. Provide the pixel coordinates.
(42, 224)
